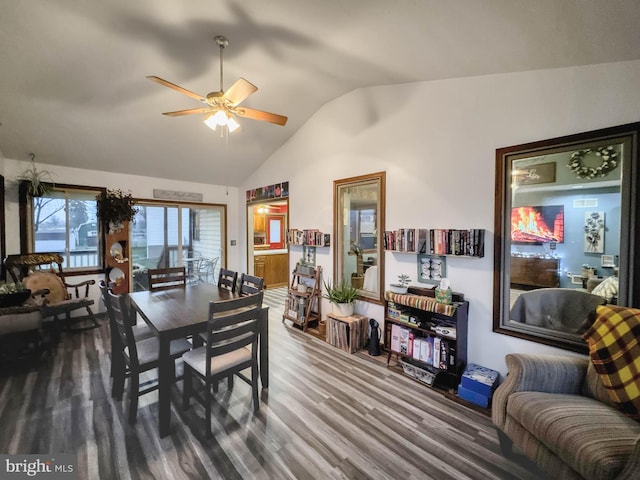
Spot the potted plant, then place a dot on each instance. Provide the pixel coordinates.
(12, 294)
(114, 208)
(342, 297)
(402, 285)
(38, 181)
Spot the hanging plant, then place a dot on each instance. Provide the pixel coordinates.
(39, 182)
(115, 207)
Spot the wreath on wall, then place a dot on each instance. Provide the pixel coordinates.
(608, 163)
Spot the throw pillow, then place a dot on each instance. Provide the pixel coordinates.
(614, 349)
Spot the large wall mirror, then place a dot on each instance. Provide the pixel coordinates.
(359, 206)
(566, 222)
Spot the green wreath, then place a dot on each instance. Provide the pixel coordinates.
(609, 162)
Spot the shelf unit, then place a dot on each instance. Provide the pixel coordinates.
(441, 242)
(421, 331)
(117, 254)
(309, 237)
(304, 307)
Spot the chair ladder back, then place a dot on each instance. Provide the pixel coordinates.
(233, 324)
(120, 309)
(250, 284)
(164, 278)
(228, 279)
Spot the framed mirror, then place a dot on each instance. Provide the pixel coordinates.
(2, 232)
(566, 219)
(358, 214)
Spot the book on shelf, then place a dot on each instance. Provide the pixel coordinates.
(457, 242)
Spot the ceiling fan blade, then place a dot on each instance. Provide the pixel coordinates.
(190, 111)
(260, 115)
(184, 91)
(240, 90)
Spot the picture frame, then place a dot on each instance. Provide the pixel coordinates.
(431, 268)
(308, 256)
(608, 261)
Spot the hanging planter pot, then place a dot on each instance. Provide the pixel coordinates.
(38, 182)
(114, 208)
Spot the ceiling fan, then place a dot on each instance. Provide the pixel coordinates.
(221, 107)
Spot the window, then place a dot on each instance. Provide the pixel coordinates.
(64, 221)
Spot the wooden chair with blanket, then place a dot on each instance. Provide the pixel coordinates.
(39, 271)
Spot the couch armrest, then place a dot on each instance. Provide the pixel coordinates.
(537, 373)
(630, 472)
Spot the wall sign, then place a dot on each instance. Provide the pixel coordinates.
(174, 195)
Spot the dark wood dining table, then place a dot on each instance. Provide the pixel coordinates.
(178, 312)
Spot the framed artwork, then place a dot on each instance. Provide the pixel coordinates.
(594, 232)
(431, 268)
(309, 256)
(608, 261)
(533, 174)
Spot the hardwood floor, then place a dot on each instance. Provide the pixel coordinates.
(327, 414)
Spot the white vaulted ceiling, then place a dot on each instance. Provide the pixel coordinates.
(73, 87)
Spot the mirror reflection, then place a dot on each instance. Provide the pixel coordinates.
(359, 221)
(561, 243)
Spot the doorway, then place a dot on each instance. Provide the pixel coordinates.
(267, 248)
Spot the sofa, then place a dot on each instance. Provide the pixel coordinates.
(556, 410)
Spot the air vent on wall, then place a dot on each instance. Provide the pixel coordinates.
(585, 203)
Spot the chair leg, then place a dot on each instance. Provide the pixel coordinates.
(187, 386)
(207, 406)
(133, 393)
(254, 387)
(117, 383)
(230, 382)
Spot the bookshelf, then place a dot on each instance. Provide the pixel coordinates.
(303, 306)
(428, 338)
(309, 237)
(437, 241)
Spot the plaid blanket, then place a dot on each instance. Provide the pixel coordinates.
(614, 348)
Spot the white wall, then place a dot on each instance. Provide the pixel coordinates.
(140, 187)
(437, 141)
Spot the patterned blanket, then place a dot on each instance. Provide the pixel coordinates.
(614, 347)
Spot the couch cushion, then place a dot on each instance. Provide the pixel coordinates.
(591, 437)
(594, 388)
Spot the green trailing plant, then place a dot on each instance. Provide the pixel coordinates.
(115, 207)
(341, 293)
(39, 182)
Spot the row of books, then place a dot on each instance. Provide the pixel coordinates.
(433, 351)
(457, 242)
(406, 240)
(312, 237)
(438, 325)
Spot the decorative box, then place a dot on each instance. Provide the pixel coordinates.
(473, 397)
(479, 379)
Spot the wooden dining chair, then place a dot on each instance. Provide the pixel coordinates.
(250, 285)
(227, 279)
(140, 332)
(232, 346)
(163, 278)
(138, 355)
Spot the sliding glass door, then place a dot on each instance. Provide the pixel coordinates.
(171, 235)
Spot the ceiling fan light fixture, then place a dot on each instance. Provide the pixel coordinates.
(232, 124)
(210, 122)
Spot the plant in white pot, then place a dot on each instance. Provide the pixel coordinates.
(342, 296)
(402, 285)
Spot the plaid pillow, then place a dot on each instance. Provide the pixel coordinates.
(614, 349)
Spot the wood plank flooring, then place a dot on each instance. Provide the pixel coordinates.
(326, 415)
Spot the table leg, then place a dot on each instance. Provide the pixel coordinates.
(264, 347)
(165, 375)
